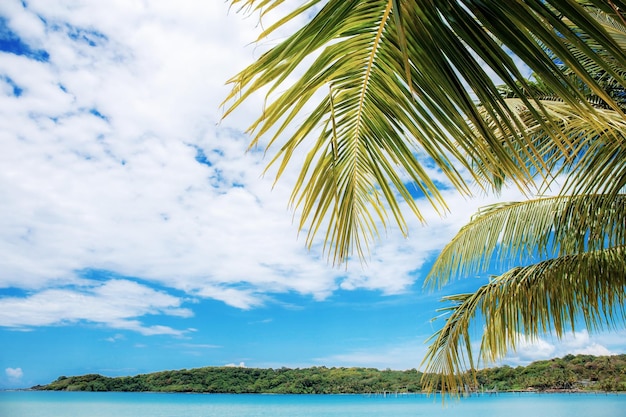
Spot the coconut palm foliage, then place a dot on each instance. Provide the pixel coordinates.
(373, 88)
(565, 255)
(572, 256)
(585, 150)
(584, 143)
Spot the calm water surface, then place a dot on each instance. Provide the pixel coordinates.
(106, 404)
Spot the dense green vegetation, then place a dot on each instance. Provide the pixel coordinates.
(583, 372)
(580, 372)
(317, 380)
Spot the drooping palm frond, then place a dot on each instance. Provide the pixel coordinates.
(526, 303)
(587, 147)
(571, 247)
(504, 235)
(394, 80)
(615, 26)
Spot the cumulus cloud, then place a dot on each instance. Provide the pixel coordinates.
(14, 373)
(115, 159)
(400, 355)
(575, 343)
(115, 303)
(233, 365)
(584, 343)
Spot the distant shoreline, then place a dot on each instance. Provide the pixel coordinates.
(388, 394)
(570, 374)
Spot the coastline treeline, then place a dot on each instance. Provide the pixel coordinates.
(570, 373)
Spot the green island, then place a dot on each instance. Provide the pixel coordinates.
(570, 373)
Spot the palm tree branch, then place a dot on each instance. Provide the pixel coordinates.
(405, 77)
(506, 234)
(581, 145)
(528, 302)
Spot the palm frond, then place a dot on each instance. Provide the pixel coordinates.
(518, 233)
(527, 302)
(585, 147)
(391, 80)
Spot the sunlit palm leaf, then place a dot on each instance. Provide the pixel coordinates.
(589, 144)
(507, 234)
(392, 80)
(528, 302)
(587, 148)
(583, 235)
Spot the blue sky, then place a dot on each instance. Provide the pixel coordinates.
(137, 234)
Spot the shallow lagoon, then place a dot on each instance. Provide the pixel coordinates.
(109, 404)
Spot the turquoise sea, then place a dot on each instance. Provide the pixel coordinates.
(108, 404)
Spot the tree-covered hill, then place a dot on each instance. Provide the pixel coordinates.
(316, 380)
(581, 372)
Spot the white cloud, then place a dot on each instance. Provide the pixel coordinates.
(397, 356)
(582, 342)
(577, 343)
(114, 158)
(115, 303)
(409, 354)
(125, 193)
(14, 373)
(232, 365)
(115, 338)
(532, 350)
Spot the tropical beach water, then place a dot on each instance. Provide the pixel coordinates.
(107, 404)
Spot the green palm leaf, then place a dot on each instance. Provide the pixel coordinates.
(585, 148)
(582, 235)
(527, 302)
(393, 82)
(585, 238)
(517, 233)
